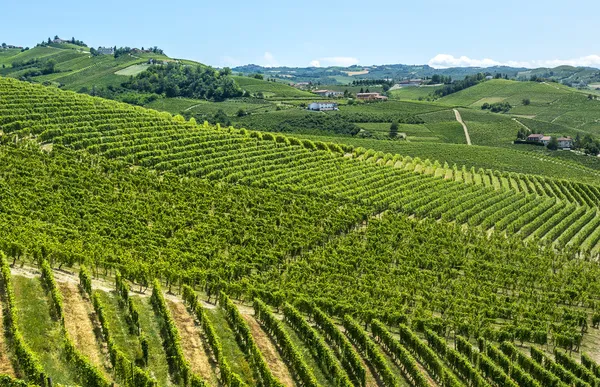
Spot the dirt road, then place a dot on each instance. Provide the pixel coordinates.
(459, 119)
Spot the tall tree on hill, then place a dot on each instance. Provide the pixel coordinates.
(553, 144)
(394, 130)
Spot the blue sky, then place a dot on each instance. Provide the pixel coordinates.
(300, 33)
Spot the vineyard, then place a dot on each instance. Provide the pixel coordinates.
(200, 255)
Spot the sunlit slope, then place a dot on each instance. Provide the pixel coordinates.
(158, 141)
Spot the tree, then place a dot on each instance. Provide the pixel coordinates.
(553, 144)
(49, 67)
(522, 134)
(394, 130)
(526, 101)
(241, 112)
(221, 118)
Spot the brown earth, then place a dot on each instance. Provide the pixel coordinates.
(269, 352)
(78, 323)
(5, 364)
(192, 345)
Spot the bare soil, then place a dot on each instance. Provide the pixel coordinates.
(460, 120)
(268, 350)
(78, 322)
(5, 363)
(193, 348)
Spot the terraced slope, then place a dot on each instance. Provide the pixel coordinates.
(281, 348)
(157, 141)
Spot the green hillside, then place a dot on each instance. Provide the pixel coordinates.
(270, 89)
(75, 68)
(143, 249)
(549, 102)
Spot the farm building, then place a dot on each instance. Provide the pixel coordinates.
(565, 142)
(546, 140)
(410, 82)
(370, 96)
(329, 93)
(323, 106)
(106, 50)
(536, 137)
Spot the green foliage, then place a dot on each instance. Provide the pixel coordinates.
(227, 377)
(125, 370)
(180, 367)
(399, 353)
(244, 337)
(27, 361)
(87, 374)
(85, 280)
(497, 107)
(469, 81)
(289, 351)
(370, 351)
(176, 80)
(323, 355)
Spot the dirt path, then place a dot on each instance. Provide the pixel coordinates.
(522, 124)
(191, 107)
(268, 350)
(79, 324)
(5, 364)
(193, 348)
(459, 119)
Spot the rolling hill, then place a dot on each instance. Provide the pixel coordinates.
(144, 249)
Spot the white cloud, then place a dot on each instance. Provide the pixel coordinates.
(269, 60)
(342, 61)
(442, 61)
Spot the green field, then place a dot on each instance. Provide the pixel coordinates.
(132, 70)
(413, 93)
(399, 265)
(270, 89)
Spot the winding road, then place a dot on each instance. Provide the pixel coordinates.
(459, 119)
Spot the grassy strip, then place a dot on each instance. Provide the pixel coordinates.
(172, 341)
(125, 370)
(289, 351)
(27, 361)
(85, 372)
(226, 375)
(247, 344)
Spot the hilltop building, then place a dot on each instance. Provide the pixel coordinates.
(371, 97)
(410, 82)
(329, 93)
(323, 106)
(300, 85)
(106, 50)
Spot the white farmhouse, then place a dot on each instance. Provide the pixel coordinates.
(322, 106)
(565, 142)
